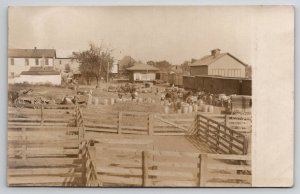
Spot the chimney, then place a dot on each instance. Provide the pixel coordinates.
(215, 52)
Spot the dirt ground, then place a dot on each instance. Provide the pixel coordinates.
(163, 143)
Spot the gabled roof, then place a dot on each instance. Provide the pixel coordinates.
(142, 67)
(40, 71)
(31, 53)
(209, 59)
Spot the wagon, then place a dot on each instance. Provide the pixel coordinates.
(36, 101)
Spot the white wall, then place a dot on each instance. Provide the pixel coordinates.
(38, 79)
(144, 76)
(60, 64)
(227, 66)
(20, 65)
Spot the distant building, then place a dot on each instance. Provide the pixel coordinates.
(63, 60)
(218, 64)
(142, 72)
(39, 75)
(114, 68)
(20, 60)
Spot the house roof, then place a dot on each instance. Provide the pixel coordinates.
(142, 67)
(31, 53)
(177, 69)
(209, 59)
(40, 71)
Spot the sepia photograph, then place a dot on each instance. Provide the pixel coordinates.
(131, 96)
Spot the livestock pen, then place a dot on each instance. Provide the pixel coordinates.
(101, 148)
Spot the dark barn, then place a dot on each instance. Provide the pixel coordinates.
(218, 85)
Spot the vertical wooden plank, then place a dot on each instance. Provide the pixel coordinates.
(203, 170)
(200, 162)
(76, 115)
(150, 124)
(231, 141)
(24, 146)
(206, 131)
(226, 120)
(80, 133)
(42, 115)
(120, 123)
(218, 138)
(145, 168)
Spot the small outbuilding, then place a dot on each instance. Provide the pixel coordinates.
(142, 72)
(40, 75)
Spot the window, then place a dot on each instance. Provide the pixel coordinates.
(12, 61)
(26, 62)
(36, 61)
(46, 61)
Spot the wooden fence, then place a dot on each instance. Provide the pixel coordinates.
(50, 156)
(220, 137)
(40, 117)
(43, 156)
(138, 123)
(132, 167)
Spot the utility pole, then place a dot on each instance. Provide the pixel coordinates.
(107, 71)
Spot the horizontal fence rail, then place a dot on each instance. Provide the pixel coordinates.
(150, 168)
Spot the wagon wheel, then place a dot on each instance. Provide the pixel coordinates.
(37, 102)
(19, 103)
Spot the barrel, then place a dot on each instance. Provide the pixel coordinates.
(200, 102)
(166, 103)
(166, 109)
(105, 102)
(185, 108)
(96, 100)
(90, 100)
(190, 108)
(112, 101)
(211, 109)
(195, 108)
(206, 107)
(140, 100)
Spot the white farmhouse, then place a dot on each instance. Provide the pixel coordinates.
(20, 60)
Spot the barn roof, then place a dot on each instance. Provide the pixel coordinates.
(209, 59)
(142, 67)
(31, 53)
(40, 71)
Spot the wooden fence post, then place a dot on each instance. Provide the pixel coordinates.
(42, 115)
(76, 115)
(92, 151)
(206, 131)
(24, 145)
(226, 120)
(218, 138)
(119, 123)
(150, 124)
(81, 133)
(202, 170)
(231, 141)
(145, 168)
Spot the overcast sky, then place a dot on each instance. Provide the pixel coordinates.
(145, 33)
